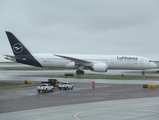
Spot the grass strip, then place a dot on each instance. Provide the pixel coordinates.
(10, 85)
(113, 77)
(30, 68)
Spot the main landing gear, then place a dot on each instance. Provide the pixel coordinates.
(80, 72)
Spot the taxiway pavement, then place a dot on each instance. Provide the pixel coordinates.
(111, 99)
(126, 109)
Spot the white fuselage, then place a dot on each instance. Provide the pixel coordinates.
(113, 61)
(97, 63)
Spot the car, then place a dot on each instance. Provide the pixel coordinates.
(45, 87)
(65, 85)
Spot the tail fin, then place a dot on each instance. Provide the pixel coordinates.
(17, 47)
(22, 54)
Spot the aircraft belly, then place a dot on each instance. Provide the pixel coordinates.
(57, 63)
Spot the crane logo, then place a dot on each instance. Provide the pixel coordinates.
(17, 48)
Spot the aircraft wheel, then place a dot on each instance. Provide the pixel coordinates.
(80, 72)
(143, 72)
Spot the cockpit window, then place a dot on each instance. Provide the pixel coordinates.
(150, 60)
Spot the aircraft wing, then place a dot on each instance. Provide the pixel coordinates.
(155, 61)
(76, 60)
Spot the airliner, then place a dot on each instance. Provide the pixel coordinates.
(80, 62)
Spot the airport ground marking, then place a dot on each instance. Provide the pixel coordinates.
(75, 116)
(52, 117)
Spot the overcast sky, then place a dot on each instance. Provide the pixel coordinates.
(124, 27)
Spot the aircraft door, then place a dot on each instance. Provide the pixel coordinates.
(142, 61)
(112, 60)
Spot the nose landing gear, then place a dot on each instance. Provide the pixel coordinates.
(143, 72)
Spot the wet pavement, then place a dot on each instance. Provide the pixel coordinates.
(28, 98)
(107, 92)
(125, 109)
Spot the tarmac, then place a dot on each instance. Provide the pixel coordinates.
(129, 109)
(111, 99)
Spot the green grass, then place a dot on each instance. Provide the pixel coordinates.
(29, 68)
(9, 85)
(116, 77)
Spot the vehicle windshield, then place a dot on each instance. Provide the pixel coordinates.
(43, 85)
(63, 83)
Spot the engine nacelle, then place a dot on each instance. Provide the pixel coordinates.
(99, 67)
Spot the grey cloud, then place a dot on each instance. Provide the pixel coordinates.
(80, 26)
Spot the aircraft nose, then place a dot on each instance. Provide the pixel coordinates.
(154, 65)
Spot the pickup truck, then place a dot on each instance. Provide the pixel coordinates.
(65, 85)
(45, 87)
(53, 82)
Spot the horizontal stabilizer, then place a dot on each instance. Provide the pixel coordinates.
(9, 57)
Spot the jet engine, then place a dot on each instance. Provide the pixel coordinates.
(99, 67)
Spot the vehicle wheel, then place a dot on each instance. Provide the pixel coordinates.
(38, 91)
(46, 90)
(52, 90)
(72, 88)
(60, 88)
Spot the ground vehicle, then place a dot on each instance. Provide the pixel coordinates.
(45, 87)
(65, 85)
(53, 82)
